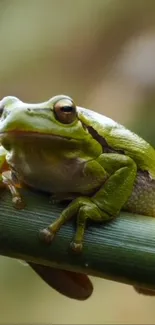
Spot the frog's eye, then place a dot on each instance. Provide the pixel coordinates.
(65, 111)
(5, 102)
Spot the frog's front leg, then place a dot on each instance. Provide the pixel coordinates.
(17, 200)
(7, 180)
(107, 201)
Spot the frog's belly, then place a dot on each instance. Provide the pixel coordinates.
(54, 176)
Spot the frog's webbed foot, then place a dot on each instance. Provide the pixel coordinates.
(17, 200)
(84, 208)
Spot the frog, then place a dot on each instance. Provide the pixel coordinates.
(72, 285)
(79, 155)
(75, 154)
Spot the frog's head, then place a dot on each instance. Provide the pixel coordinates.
(58, 117)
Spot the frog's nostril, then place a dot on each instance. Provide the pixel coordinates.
(30, 111)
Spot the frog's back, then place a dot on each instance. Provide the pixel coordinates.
(119, 138)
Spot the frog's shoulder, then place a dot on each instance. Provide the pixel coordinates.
(120, 138)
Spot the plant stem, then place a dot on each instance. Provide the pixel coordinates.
(121, 250)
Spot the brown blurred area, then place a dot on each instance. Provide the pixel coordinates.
(101, 53)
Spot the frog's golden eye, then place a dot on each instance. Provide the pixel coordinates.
(65, 111)
(4, 102)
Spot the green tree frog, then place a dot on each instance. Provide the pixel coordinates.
(77, 154)
(74, 153)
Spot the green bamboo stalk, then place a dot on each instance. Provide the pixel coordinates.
(122, 250)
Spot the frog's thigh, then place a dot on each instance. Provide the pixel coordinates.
(107, 201)
(115, 192)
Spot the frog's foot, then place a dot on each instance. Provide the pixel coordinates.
(84, 208)
(46, 235)
(76, 246)
(17, 200)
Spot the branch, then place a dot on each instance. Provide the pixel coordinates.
(122, 250)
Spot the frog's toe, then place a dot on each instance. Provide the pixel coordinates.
(18, 202)
(76, 247)
(46, 235)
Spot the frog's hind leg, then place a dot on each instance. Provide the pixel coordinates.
(7, 180)
(84, 208)
(106, 203)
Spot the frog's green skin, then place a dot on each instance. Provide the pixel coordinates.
(95, 161)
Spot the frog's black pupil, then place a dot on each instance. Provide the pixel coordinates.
(66, 109)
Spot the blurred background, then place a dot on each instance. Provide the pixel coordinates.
(101, 53)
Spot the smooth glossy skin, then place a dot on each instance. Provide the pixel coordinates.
(75, 153)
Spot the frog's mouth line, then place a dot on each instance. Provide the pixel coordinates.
(27, 134)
